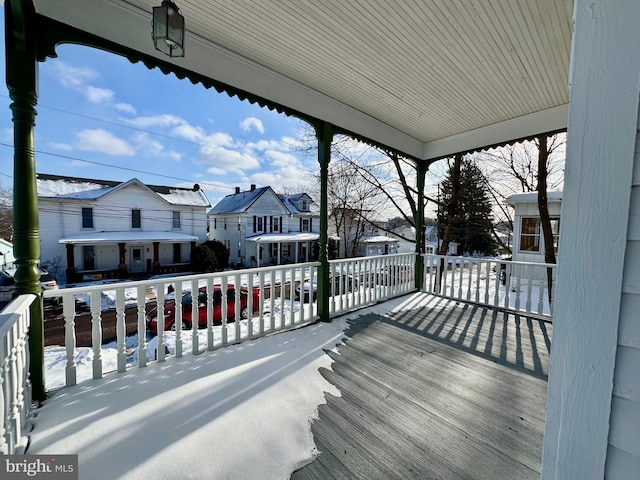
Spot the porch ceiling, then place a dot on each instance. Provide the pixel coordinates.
(426, 77)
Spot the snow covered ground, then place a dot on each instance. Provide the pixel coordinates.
(241, 412)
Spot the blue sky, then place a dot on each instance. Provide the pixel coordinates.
(97, 107)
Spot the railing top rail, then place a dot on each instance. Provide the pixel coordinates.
(13, 310)
(168, 279)
(372, 257)
(493, 259)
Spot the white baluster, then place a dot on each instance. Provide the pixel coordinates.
(160, 299)
(223, 309)
(96, 333)
(121, 330)
(261, 309)
(177, 316)
(142, 328)
(210, 337)
(4, 447)
(69, 313)
(195, 317)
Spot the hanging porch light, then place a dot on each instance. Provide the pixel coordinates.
(168, 29)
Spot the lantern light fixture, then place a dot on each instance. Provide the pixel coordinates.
(167, 29)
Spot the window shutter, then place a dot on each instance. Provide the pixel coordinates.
(311, 224)
(300, 223)
(264, 224)
(271, 224)
(255, 221)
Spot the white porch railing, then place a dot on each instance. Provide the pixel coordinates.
(15, 398)
(358, 282)
(287, 298)
(517, 286)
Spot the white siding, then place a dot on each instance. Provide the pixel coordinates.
(592, 401)
(623, 456)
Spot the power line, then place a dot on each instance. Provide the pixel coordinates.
(67, 157)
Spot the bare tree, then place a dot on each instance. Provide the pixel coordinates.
(6, 214)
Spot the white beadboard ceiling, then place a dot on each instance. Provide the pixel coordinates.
(426, 77)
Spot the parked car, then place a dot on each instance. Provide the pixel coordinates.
(7, 284)
(187, 308)
(339, 284)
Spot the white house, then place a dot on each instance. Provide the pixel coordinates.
(107, 229)
(260, 227)
(528, 241)
(6, 250)
(372, 245)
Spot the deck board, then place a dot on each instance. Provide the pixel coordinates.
(435, 389)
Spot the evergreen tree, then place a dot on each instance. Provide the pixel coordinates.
(471, 215)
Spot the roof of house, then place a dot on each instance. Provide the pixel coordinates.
(240, 202)
(533, 197)
(290, 202)
(58, 186)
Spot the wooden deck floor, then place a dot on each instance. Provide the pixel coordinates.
(435, 390)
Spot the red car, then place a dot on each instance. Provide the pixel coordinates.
(170, 313)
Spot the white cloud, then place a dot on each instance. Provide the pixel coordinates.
(164, 120)
(188, 132)
(98, 95)
(267, 145)
(78, 78)
(149, 147)
(125, 107)
(229, 160)
(72, 77)
(216, 171)
(99, 140)
(282, 159)
(252, 122)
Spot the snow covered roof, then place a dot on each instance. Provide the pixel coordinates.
(57, 186)
(238, 202)
(379, 239)
(128, 236)
(533, 197)
(281, 238)
(290, 201)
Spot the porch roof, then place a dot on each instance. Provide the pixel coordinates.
(127, 237)
(426, 78)
(284, 237)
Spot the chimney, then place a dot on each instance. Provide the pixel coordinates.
(237, 190)
(253, 187)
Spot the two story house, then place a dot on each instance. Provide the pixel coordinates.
(101, 229)
(260, 227)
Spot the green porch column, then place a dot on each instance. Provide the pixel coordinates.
(21, 72)
(325, 137)
(422, 168)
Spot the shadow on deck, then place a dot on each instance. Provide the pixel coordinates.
(435, 389)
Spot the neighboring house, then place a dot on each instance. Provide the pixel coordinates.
(372, 245)
(107, 229)
(6, 250)
(260, 227)
(405, 246)
(528, 241)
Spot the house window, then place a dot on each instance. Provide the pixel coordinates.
(239, 225)
(177, 253)
(305, 205)
(89, 257)
(176, 220)
(305, 225)
(135, 219)
(276, 224)
(555, 230)
(215, 223)
(87, 217)
(530, 235)
(259, 224)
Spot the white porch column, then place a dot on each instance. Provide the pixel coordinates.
(602, 132)
(297, 250)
